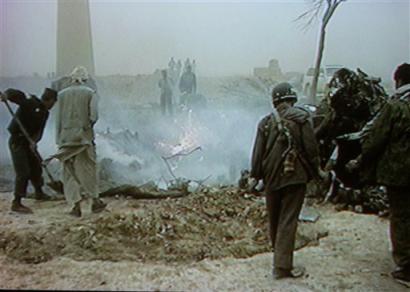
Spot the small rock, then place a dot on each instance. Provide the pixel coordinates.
(358, 209)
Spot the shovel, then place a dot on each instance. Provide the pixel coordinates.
(55, 185)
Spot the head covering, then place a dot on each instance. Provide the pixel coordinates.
(403, 73)
(79, 75)
(282, 92)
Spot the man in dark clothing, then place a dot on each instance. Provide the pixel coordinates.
(33, 114)
(187, 83)
(187, 86)
(386, 146)
(285, 157)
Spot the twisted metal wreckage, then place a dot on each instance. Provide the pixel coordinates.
(353, 100)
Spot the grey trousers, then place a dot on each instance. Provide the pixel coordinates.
(399, 201)
(284, 206)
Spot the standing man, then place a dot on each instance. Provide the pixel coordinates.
(178, 69)
(166, 94)
(171, 64)
(77, 114)
(187, 83)
(386, 142)
(193, 66)
(187, 86)
(285, 156)
(32, 113)
(187, 63)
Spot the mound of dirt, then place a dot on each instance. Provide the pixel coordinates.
(214, 223)
(6, 185)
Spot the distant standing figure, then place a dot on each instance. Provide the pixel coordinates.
(187, 64)
(193, 66)
(166, 94)
(171, 64)
(187, 83)
(76, 117)
(178, 70)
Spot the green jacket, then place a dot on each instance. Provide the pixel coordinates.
(267, 158)
(386, 142)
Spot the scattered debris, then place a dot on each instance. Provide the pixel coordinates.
(214, 223)
(140, 193)
(183, 152)
(369, 200)
(6, 185)
(309, 214)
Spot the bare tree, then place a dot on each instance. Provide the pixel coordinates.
(329, 7)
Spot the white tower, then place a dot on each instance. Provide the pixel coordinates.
(74, 39)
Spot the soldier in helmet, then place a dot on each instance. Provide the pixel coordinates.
(285, 156)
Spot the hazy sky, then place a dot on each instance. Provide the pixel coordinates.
(225, 37)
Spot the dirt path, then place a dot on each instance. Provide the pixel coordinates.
(354, 256)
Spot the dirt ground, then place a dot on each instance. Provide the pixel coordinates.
(343, 251)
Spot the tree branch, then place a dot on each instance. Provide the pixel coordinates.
(331, 6)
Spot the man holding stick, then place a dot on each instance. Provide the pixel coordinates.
(26, 129)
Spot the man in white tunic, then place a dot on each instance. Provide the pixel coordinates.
(76, 116)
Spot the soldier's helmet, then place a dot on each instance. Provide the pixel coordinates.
(283, 92)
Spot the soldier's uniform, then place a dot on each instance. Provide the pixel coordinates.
(33, 115)
(285, 184)
(387, 142)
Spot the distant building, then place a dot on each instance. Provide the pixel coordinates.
(272, 72)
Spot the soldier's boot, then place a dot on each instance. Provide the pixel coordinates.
(41, 196)
(98, 206)
(76, 210)
(402, 275)
(17, 206)
(279, 273)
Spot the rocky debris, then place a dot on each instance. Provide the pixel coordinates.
(143, 193)
(6, 185)
(243, 182)
(309, 214)
(214, 223)
(369, 200)
(6, 172)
